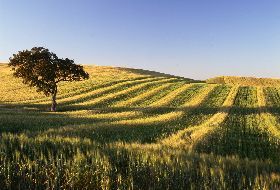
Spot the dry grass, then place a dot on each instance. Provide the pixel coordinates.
(244, 81)
(134, 129)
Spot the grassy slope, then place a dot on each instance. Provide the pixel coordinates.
(244, 81)
(123, 123)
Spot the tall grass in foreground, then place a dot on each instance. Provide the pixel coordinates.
(70, 163)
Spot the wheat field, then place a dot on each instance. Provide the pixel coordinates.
(135, 129)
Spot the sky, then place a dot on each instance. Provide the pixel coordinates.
(190, 38)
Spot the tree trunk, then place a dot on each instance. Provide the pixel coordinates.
(53, 108)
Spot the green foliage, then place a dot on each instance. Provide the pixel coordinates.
(43, 69)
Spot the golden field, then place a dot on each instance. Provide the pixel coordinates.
(135, 129)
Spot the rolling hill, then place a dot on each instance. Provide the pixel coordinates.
(135, 129)
(244, 81)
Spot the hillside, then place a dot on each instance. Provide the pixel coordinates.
(244, 81)
(98, 75)
(128, 128)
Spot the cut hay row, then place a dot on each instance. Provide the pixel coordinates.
(241, 131)
(189, 136)
(143, 96)
(158, 95)
(138, 95)
(187, 95)
(166, 100)
(67, 90)
(119, 94)
(200, 97)
(102, 91)
(153, 124)
(268, 121)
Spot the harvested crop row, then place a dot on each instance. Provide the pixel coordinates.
(166, 100)
(199, 98)
(129, 98)
(105, 100)
(269, 121)
(158, 96)
(191, 135)
(241, 131)
(143, 96)
(152, 125)
(102, 91)
(66, 91)
(187, 95)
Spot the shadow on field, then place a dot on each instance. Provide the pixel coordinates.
(144, 128)
(154, 73)
(234, 138)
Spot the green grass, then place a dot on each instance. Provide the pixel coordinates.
(136, 129)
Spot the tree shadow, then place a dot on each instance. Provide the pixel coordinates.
(157, 74)
(241, 134)
(31, 119)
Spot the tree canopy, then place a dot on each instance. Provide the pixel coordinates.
(42, 69)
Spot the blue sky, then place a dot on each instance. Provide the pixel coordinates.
(195, 38)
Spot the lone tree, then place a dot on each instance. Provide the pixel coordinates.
(42, 69)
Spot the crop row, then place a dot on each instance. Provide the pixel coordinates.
(242, 132)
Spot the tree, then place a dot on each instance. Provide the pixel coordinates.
(44, 70)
